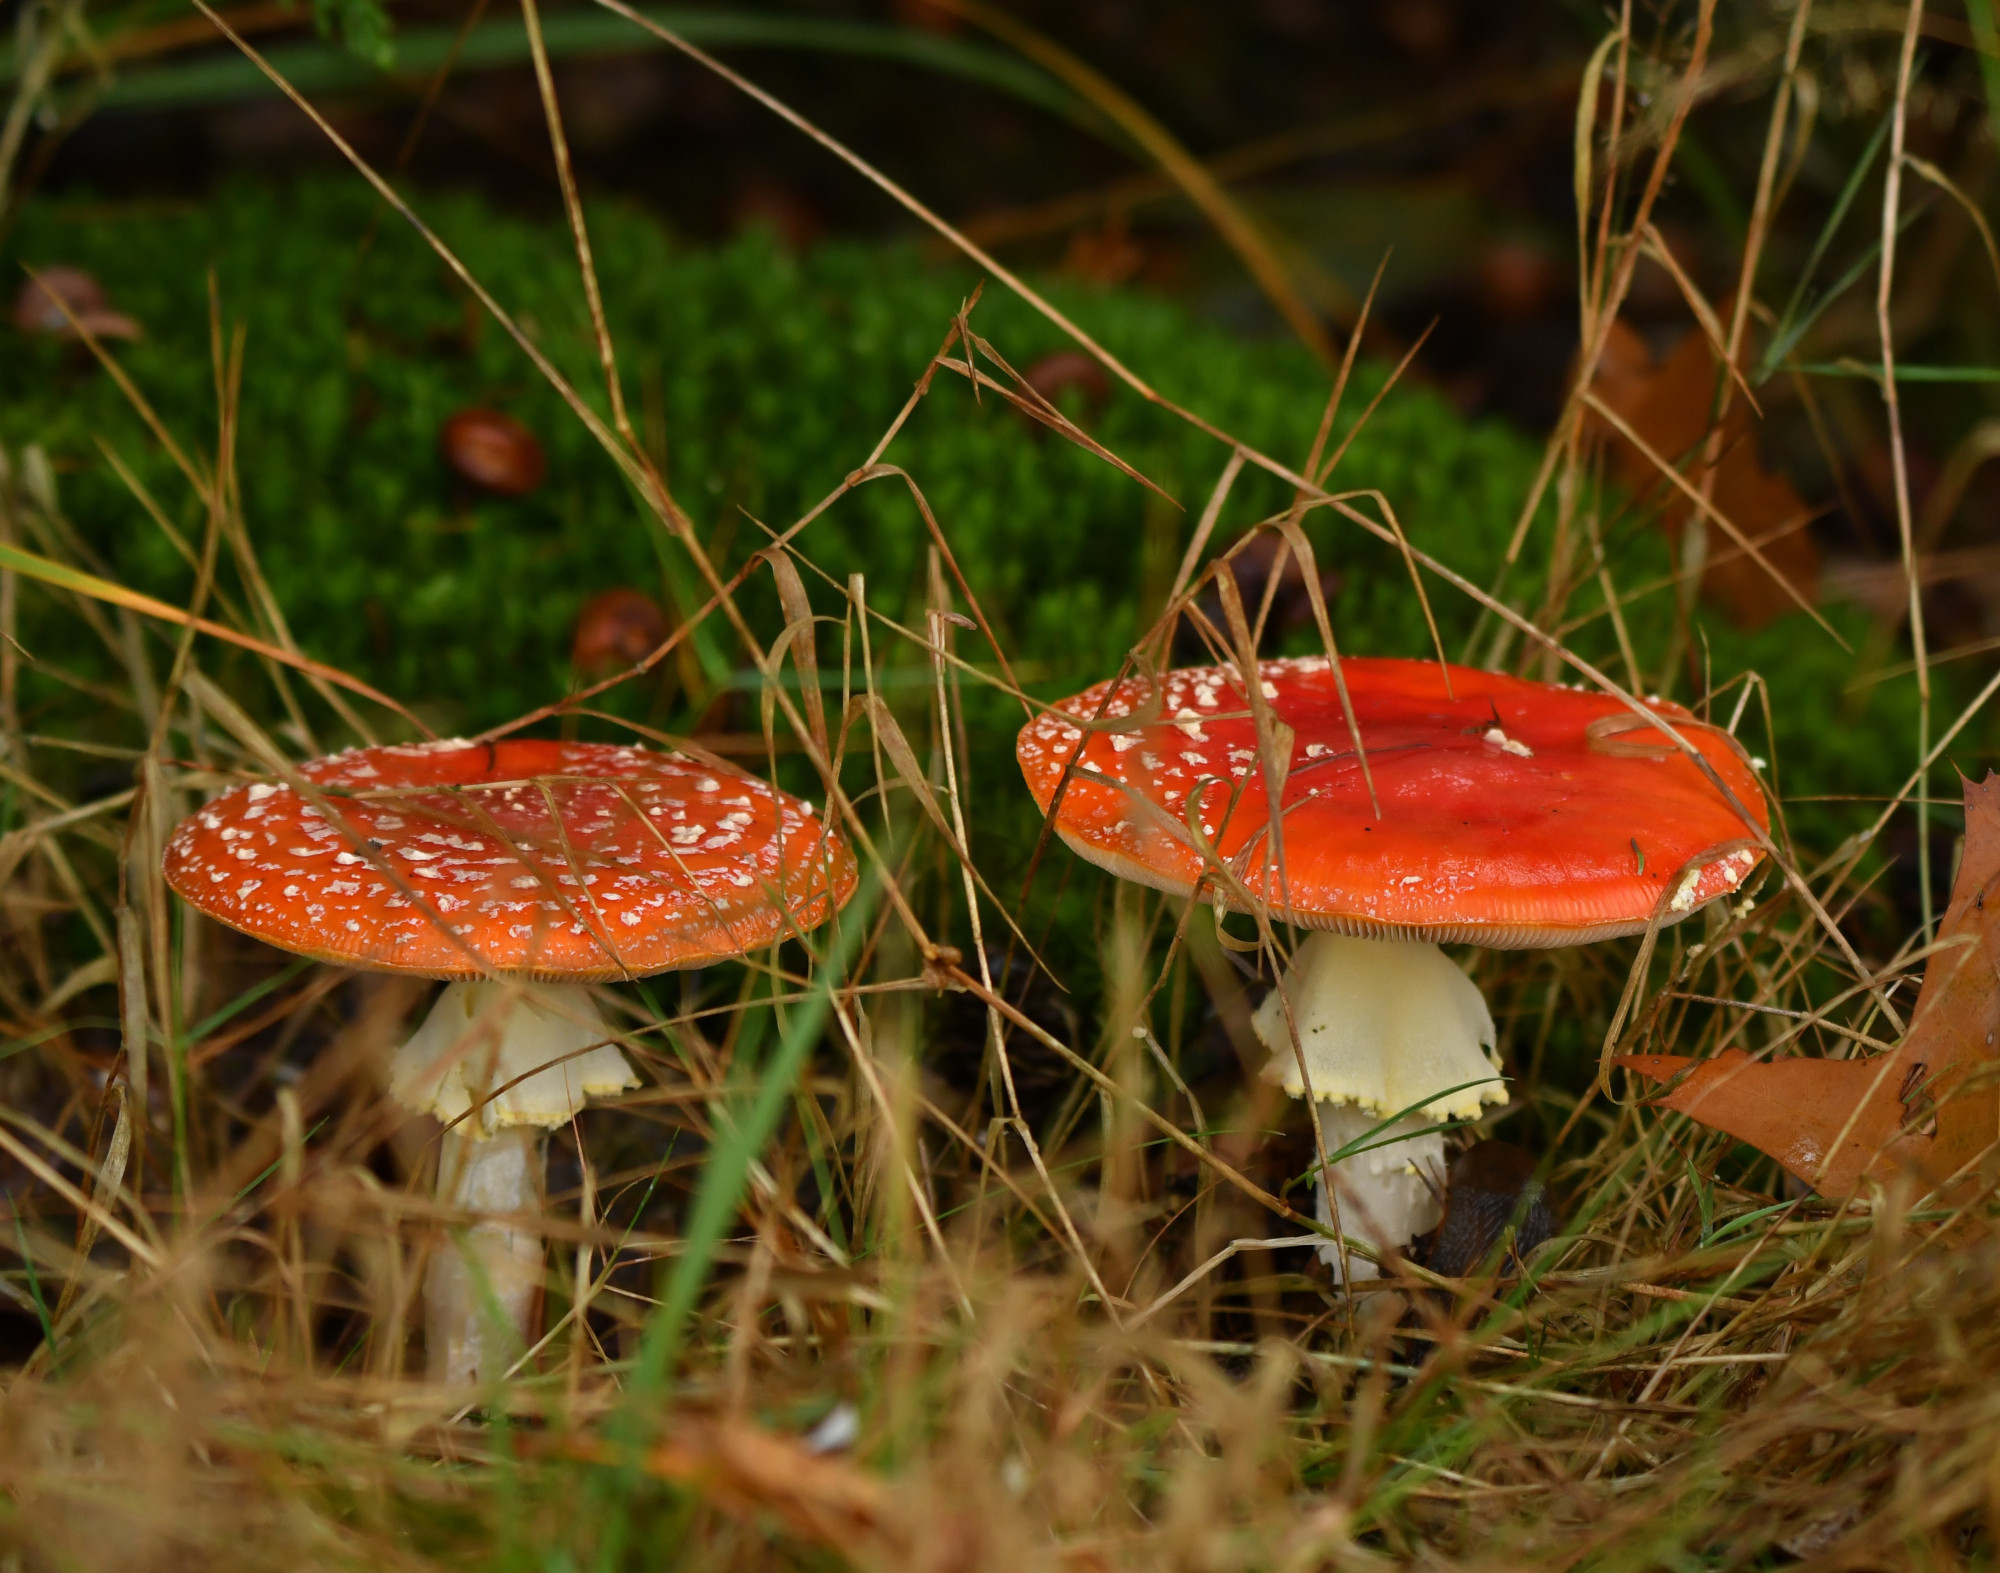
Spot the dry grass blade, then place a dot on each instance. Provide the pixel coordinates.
(1892, 195)
(66, 578)
(579, 232)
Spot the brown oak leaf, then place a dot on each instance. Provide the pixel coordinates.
(1668, 404)
(1931, 1105)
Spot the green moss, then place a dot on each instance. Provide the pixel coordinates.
(771, 377)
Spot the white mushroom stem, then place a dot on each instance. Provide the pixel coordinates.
(468, 1335)
(498, 1063)
(1384, 1027)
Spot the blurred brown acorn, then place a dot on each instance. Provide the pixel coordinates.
(616, 629)
(38, 307)
(493, 452)
(1518, 279)
(1054, 375)
(1064, 373)
(781, 209)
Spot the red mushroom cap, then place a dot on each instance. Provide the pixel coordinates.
(1514, 814)
(560, 861)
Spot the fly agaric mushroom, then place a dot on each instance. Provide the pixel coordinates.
(520, 871)
(1513, 814)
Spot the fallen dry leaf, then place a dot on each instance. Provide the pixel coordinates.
(746, 1471)
(1931, 1105)
(1668, 404)
(871, 1521)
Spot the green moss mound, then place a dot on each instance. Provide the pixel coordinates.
(771, 377)
(764, 378)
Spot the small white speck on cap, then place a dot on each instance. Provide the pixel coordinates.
(1508, 745)
(259, 790)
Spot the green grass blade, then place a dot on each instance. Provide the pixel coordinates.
(1782, 343)
(724, 1178)
(319, 67)
(275, 1164)
(727, 1172)
(1872, 371)
(243, 1002)
(1986, 39)
(1704, 1196)
(34, 1285)
(1784, 335)
(1731, 1226)
(35, 1040)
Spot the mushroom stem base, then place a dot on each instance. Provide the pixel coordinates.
(1388, 1194)
(484, 1279)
